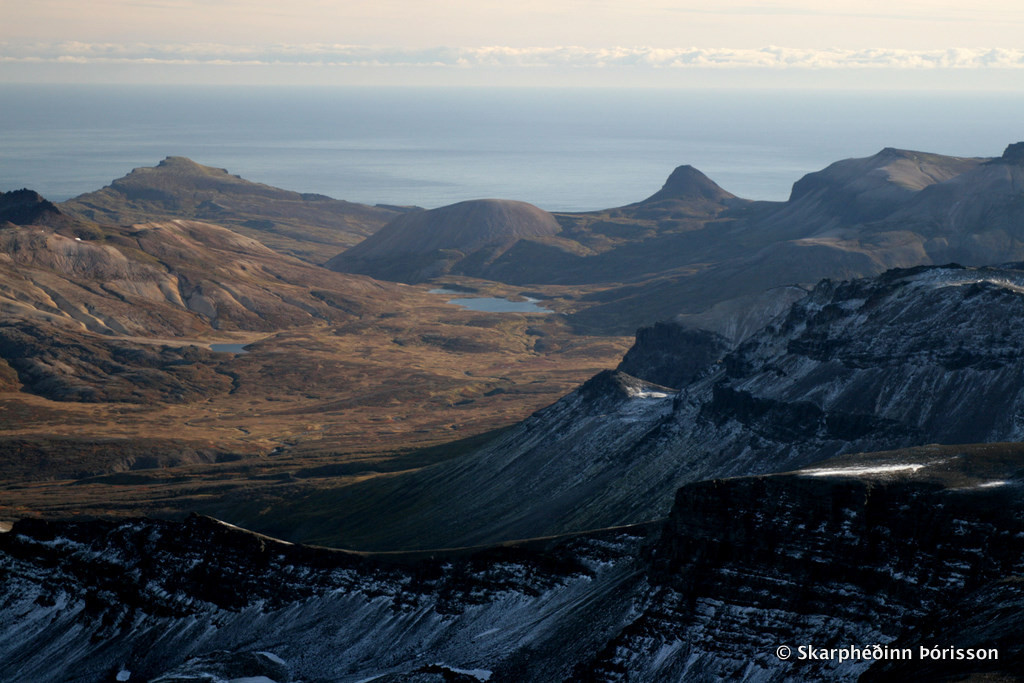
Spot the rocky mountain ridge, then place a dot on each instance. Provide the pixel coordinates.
(854, 551)
(309, 226)
(856, 218)
(911, 357)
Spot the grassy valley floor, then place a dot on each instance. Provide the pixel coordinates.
(307, 408)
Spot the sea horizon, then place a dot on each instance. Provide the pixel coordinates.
(563, 149)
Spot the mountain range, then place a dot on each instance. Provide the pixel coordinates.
(813, 441)
(692, 244)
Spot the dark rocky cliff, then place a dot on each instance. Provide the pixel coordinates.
(25, 207)
(671, 354)
(883, 549)
(857, 552)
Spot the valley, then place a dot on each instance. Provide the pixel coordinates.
(708, 424)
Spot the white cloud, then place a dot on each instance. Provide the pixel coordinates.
(639, 58)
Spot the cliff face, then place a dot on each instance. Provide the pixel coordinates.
(87, 601)
(912, 357)
(857, 552)
(862, 551)
(672, 355)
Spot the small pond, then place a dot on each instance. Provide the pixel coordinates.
(491, 304)
(496, 305)
(229, 348)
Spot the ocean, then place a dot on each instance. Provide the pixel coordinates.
(561, 149)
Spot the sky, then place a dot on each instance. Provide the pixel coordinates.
(842, 43)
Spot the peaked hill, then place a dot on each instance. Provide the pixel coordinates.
(309, 226)
(856, 218)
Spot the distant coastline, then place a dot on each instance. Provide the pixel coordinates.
(563, 150)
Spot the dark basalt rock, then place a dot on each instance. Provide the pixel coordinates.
(746, 565)
(219, 666)
(26, 207)
(1013, 154)
(672, 355)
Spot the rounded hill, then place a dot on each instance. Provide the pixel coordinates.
(420, 245)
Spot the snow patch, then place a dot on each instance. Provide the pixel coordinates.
(858, 471)
(646, 393)
(124, 675)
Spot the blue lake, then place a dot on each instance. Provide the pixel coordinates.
(229, 348)
(495, 305)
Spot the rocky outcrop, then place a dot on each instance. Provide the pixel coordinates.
(1013, 154)
(671, 354)
(25, 207)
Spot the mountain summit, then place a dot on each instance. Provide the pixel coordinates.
(1014, 154)
(688, 184)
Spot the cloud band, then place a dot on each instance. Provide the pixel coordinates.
(339, 55)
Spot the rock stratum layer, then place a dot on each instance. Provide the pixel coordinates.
(862, 551)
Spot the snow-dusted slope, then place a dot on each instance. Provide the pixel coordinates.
(908, 358)
(84, 602)
(858, 551)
